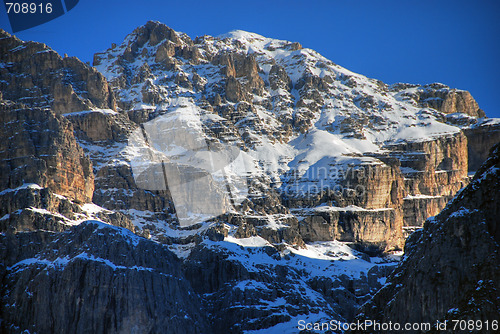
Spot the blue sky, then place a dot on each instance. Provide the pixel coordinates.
(453, 42)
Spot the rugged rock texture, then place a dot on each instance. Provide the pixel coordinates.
(101, 126)
(32, 208)
(440, 97)
(46, 177)
(369, 230)
(416, 180)
(334, 168)
(258, 93)
(94, 278)
(39, 147)
(481, 137)
(433, 172)
(434, 167)
(104, 134)
(451, 268)
(35, 208)
(417, 209)
(242, 294)
(35, 75)
(365, 207)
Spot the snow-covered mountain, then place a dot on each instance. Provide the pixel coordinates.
(277, 177)
(310, 132)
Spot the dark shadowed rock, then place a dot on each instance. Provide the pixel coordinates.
(39, 147)
(94, 278)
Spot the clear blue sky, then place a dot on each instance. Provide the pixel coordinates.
(453, 42)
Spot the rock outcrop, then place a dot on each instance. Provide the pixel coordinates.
(440, 97)
(242, 295)
(47, 180)
(254, 92)
(35, 75)
(104, 134)
(39, 147)
(451, 268)
(313, 173)
(94, 278)
(369, 230)
(433, 171)
(101, 126)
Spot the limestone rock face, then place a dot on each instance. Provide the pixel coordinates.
(371, 230)
(413, 180)
(242, 72)
(41, 78)
(257, 91)
(481, 137)
(451, 268)
(169, 45)
(445, 155)
(104, 134)
(453, 101)
(433, 172)
(242, 297)
(35, 208)
(334, 170)
(48, 180)
(94, 278)
(278, 78)
(39, 147)
(417, 208)
(102, 126)
(440, 97)
(367, 208)
(234, 90)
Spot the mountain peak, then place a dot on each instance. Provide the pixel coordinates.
(154, 32)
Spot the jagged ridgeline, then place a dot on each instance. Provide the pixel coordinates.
(277, 178)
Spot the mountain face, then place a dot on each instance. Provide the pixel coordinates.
(451, 268)
(313, 132)
(35, 75)
(43, 151)
(263, 181)
(112, 279)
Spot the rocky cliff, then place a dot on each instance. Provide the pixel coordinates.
(433, 172)
(440, 97)
(481, 137)
(451, 268)
(40, 148)
(281, 104)
(35, 75)
(94, 278)
(314, 171)
(61, 272)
